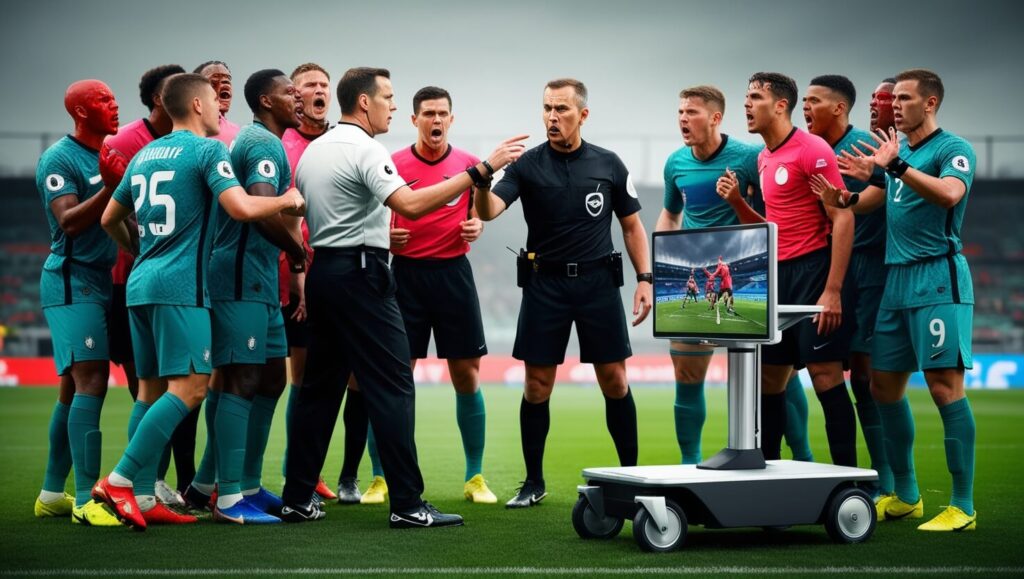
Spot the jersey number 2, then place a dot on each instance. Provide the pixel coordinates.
(155, 199)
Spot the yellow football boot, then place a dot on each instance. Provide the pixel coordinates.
(58, 508)
(94, 514)
(376, 493)
(476, 491)
(951, 520)
(897, 509)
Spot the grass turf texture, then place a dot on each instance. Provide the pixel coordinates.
(696, 318)
(494, 537)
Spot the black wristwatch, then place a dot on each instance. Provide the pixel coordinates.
(897, 167)
(647, 277)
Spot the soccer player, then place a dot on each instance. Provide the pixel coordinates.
(927, 307)
(691, 289)
(691, 201)
(314, 86)
(724, 286)
(219, 76)
(74, 292)
(570, 191)
(827, 105)
(351, 182)
(116, 153)
(173, 184)
(814, 251)
(249, 345)
(880, 106)
(436, 291)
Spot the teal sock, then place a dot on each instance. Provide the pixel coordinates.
(874, 437)
(261, 416)
(58, 463)
(232, 426)
(690, 411)
(471, 417)
(796, 420)
(141, 484)
(206, 474)
(152, 435)
(293, 395)
(898, 426)
(958, 422)
(83, 418)
(371, 448)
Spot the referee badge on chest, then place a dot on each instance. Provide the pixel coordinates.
(594, 202)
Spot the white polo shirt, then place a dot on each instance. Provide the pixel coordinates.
(346, 176)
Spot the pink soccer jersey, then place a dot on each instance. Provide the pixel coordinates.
(437, 235)
(228, 131)
(789, 202)
(726, 276)
(295, 144)
(128, 141)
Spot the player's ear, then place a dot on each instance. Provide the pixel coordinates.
(364, 101)
(584, 113)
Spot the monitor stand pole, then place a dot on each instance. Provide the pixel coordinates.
(743, 451)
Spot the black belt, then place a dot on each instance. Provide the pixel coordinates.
(573, 268)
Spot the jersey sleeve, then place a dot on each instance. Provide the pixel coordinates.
(956, 159)
(216, 167)
(263, 163)
(123, 190)
(673, 199)
(820, 159)
(625, 199)
(379, 172)
(508, 188)
(57, 178)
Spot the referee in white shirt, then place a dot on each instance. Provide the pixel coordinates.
(349, 182)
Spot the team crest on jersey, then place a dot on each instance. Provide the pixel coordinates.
(251, 343)
(225, 170)
(54, 182)
(820, 164)
(267, 169)
(781, 175)
(206, 355)
(89, 342)
(960, 163)
(594, 203)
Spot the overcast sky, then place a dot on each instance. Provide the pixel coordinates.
(495, 57)
(702, 249)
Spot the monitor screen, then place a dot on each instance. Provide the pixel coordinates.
(715, 284)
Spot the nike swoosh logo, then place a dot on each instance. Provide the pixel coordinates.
(239, 520)
(937, 354)
(822, 345)
(411, 183)
(422, 520)
(964, 526)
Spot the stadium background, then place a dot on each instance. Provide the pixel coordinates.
(495, 58)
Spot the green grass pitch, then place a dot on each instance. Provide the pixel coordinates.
(697, 318)
(539, 541)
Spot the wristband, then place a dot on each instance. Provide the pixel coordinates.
(647, 277)
(297, 267)
(478, 180)
(487, 166)
(853, 199)
(877, 180)
(897, 167)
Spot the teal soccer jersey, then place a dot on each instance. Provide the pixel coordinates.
(174, 183)
(244, 264)
(869, 232)
(78, 268)
(690, 182)
(923, 243)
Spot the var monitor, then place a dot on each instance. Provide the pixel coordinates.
(716, 284)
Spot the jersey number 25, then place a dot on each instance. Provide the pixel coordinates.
(155, 199)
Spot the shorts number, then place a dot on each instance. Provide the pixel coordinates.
(155, 199)
(938, 329)
(899, 192)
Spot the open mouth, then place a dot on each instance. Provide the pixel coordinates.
(224, 95)
(554, 131)
(435, 133)
(319, 103)
(874, 113)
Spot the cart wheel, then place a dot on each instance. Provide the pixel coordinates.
(589, 525)
(851, 516)
(651, 538)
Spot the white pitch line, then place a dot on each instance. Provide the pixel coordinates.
(717, 570)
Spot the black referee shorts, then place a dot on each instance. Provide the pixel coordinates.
(296, 333)
(801, 282)
(440, 295)
(119, 334)
(552, 303)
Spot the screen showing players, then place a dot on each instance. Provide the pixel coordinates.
(714, 283)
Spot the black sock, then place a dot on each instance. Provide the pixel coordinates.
(183, 444)
(620, 415)
(534, 422)
(773, 424)
(356, 422)
(861, 390)
(840, 425)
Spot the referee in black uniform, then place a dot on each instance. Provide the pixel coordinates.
(349, 182)
(569, 273)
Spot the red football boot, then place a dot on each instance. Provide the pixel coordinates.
(325, 491)
(161, 515)
(122, 501)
